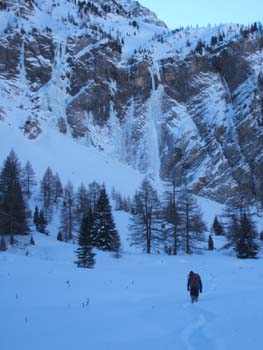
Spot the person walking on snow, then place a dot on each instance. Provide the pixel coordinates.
(194, 285)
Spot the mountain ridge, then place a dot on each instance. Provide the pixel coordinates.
(164, 102)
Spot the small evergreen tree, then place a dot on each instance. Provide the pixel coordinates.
(104, 231)
(217, 227)
(85, 255)
(246, 247)
(42, 223)
(213, 40)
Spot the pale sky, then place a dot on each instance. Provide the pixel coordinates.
(176, 13)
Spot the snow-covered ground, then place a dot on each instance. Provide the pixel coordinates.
(135, 302)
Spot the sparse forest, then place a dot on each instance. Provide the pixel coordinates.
(169, 223)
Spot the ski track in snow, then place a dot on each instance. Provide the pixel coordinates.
(194, 335)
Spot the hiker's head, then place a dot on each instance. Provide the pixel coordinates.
(191, 273)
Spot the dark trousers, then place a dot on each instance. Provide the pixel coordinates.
(194, 292)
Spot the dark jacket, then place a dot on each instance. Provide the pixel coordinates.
(189, 282)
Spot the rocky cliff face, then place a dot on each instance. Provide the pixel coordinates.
(110, 74)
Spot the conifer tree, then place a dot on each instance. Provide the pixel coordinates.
(191, 226)
(36, 217)
(118, 201)
(42, 223)
(145, 222)
(199, 47)
(233, 230)
(213, 40)
(47, 193)
(104, 231)
(68, 219)
(217, 227)
(58, 189)
(232, 217)
(13, 214)
(28, 179)
(221, 37)
(246, 247)
(82, 203)
(85, 255)
(171, 218)
(93, 193)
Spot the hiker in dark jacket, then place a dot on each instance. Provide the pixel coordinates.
(194, 285)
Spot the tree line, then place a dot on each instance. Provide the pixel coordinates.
(171, 223)
(175, 224)
(85, 215)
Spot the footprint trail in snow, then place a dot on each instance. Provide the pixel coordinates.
(193, 335)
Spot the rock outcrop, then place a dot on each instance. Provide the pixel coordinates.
(112, 74)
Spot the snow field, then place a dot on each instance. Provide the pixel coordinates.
(136, 302)
(72, 160)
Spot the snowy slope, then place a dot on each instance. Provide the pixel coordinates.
(71, 160)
